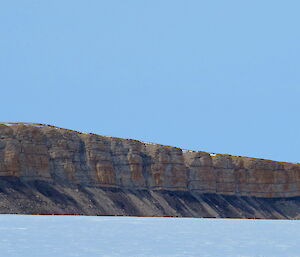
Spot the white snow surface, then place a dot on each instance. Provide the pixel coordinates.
(81, 236)
(24, 123)
(187, 151)
(148, 143)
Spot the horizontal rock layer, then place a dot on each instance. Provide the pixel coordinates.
(32, 152)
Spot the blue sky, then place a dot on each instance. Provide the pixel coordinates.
(217, 76)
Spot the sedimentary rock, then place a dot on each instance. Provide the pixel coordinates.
(56, 158)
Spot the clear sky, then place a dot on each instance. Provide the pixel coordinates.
(218, 76)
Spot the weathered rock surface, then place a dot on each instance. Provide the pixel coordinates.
(45, 169)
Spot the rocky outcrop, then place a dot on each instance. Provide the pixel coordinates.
(66, 159)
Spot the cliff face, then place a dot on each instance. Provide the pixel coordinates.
(69, 159)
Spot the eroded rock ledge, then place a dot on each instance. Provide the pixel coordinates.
(31, 152)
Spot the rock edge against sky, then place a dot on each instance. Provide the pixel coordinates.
(46, 169)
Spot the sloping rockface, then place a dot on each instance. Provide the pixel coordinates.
(50, 170)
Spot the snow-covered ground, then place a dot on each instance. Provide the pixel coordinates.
(64, 236)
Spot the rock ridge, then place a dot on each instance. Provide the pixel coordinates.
(31, 151)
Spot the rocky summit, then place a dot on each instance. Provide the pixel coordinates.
(50, 170)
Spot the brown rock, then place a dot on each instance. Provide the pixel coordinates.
(36, 151)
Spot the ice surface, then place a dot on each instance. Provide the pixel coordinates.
(80, 236)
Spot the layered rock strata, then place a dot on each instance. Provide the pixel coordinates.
(31, 153)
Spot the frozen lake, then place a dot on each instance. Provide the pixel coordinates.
(55, 236)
